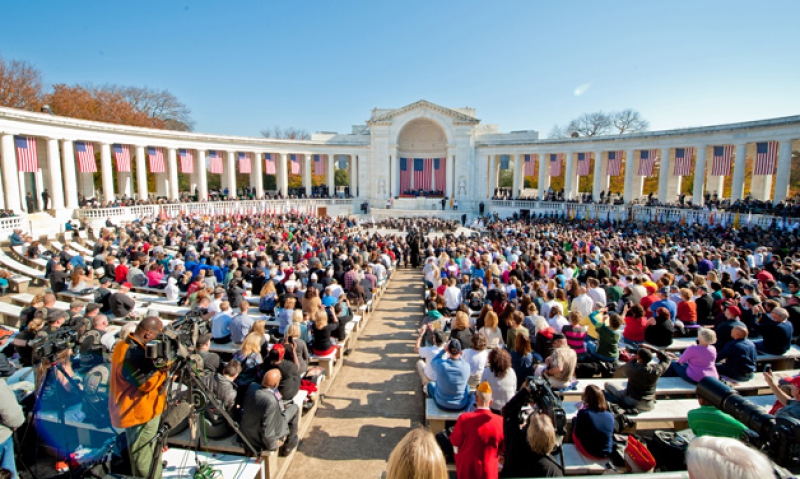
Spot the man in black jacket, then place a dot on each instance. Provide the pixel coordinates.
(120, 304)
(705, 306)
(642, 375)
(267, 418)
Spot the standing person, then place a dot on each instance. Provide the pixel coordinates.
(135, 398)
(478, 439)
(30, 202)
(11, 417)
(46, 199)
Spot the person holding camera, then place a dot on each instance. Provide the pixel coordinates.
(642, 374)
(451, 389)
(528, 449)
(136, 396)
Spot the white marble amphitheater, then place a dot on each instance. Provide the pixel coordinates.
(469, 152)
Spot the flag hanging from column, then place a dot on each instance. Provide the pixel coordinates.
(555, 163)
(215, 162)
(187, 160)
(766, 154)
(505, 162)
(27, 159)
(122, 155)
(530, 166)
(319, 164)
(84, 151)
(422, 173)
(405, 176)
(683, 161)
(244, 163)
(584, 164)
(294, 160)
(722, 160)
(614, 162)
(440, 174)
(156, 157)
(647, 160)
(269, 164)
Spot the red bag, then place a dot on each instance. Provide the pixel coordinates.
(638, 457)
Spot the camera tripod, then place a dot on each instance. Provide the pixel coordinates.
(184, 370)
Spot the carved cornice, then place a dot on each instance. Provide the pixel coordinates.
(458, 117)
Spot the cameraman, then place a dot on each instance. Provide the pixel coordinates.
(136, 399)
(528, 450)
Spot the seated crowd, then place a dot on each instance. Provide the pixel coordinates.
(563, 299)
(272, 290)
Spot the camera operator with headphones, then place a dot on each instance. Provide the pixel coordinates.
(136, 398)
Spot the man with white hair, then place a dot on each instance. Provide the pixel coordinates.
(711, 457)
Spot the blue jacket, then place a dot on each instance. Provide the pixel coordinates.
(740, 356)
(452, 387)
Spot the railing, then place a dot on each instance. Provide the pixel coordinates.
(210, 207)
(640, 213)
(9, 224)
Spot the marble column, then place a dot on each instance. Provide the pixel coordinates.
(330, 174)
(599, 184)
(106, 172)
(354, 175)
(202, 174)
(307, 173)
(740, 161)
(450, 172)
(172, 168)
(257, 159)
(393, 163)
(141, 172)
(630, 177)
(10, 174)
(570, 178)
(56, 179)
(70, 177)
(230, 170)
(698, 188)
(664, 171)
(518, 182)
(544, 174)
(784, 170)
(282, 176)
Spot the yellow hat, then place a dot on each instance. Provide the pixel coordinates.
(485, 388)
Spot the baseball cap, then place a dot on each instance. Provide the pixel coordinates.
(734, 310)
(125, 285)
(558, 336)
(454, 347)
(77, 304)
(55, 314)
(280, 351)
(105, 280)
(795, 381)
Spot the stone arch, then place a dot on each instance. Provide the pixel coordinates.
(422, 138)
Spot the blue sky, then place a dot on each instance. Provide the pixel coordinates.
(323, 65)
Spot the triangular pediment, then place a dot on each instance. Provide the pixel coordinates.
(457, 116)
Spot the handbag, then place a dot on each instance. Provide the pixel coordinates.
(669, 450)
(638, 457)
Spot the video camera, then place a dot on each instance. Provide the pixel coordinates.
(49, 346)
(543, 398)
(178, 338)
(777, 437)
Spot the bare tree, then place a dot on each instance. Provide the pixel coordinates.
(20, 85)
(290, 133)
(590, 124)
(558, 132)
(629, 121)
(161, 104)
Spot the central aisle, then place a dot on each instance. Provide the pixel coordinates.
(376, 396)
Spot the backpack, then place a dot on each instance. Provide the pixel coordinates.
(669, 450)
(95, 395)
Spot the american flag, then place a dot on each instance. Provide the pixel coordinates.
(584, 164)
(722, 160)
(187, 160)
(555, 163)
(295, 163)
(343, 162)
(319, 164)
(440, 173)
(422, 173)
(530, 166)
(156, 157)
(647, 160)
(405, 176)
(122, 153)
(683, 161)
(244, 163)
(269, 164)
(766, 153)
(614, 162)
(27, 161)
(215, 162)
(85, 153)
(505, 162)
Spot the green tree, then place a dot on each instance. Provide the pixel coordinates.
(341, 177)
(506, 179)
